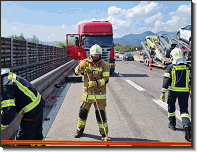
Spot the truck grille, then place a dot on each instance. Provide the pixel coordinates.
(105, 55)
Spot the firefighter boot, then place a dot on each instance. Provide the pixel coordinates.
(79, 133)
(172, 127)
(187, 132)
(172, 123)
(103, 136)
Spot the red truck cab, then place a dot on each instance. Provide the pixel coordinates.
(90, 33)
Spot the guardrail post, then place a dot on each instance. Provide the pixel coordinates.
(36, 59)
(11, 57)
(26, 58)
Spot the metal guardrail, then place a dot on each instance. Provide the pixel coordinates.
(31, 60)
(45, 85)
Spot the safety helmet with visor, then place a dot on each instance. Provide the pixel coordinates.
(177, 56)
(96, 52)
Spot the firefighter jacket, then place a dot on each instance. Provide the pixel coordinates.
(98, 72)
(177, 78)
(17, 96)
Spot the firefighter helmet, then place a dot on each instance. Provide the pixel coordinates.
(177, 53)
(4, 70)
(95, 49)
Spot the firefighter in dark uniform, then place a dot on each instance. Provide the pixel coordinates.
(177, 81)
(19, 96)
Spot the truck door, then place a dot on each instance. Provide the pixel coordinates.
(72, 46)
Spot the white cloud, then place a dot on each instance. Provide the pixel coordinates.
(41, 31)
(181, 17)
(8, 10)
(154, 18)
(63, 26)
(14, 28)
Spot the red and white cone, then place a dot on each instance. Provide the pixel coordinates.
(126, 62)
(150, 67)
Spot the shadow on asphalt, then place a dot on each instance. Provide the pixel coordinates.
(129, 75)
(117, 139)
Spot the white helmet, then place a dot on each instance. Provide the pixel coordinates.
(95, 49)
(177, 56)
(176, 53)
(4, 70)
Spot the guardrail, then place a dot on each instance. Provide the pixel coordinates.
(45, 85)
(31, 60)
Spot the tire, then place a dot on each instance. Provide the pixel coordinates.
(178, 36)
(165, 53)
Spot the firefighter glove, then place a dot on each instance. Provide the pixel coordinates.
(83, 64)
(92, 84)
(162, 97)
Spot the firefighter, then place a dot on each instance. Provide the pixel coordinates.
(97, 70)
(177, 80)
(19, 96)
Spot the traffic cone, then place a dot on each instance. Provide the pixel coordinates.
(150, 67)
(126, 62)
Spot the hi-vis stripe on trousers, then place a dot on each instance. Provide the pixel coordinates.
(84, 114)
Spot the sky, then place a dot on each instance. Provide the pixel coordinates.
(52, 20)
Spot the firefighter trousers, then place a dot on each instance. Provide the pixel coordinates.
(31, 125)
(183, 104)
(83, 114)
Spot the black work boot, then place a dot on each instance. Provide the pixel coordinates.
(103, 136)
(79, 133)
(172, 127)
(187, 132)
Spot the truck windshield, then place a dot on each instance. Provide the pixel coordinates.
(102, 40)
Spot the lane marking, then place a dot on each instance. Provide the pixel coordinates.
(158, 101)
(165, 106)
(135, 85)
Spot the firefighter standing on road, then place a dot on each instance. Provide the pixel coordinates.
(98, 71)
(19, 96)
(177, 78)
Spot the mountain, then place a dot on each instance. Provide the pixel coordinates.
(136, 39)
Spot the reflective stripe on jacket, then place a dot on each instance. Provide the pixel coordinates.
(99, 73)
(177, 78)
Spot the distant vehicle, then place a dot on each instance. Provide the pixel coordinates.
(184, 34)
(167, 42)
(149, 42)
(144, 54)
(128, 56)
(117, 54)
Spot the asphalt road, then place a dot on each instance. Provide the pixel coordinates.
(134, 111)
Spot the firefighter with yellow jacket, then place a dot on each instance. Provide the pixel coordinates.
(96, 76)
(177, 81)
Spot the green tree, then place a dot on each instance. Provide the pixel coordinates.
(35, 39)
(60, 44)
(71, 41)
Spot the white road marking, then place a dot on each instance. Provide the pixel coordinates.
(159, 102)
(135, 85)
(165, 106)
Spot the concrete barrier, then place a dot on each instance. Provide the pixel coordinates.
(44, 85)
